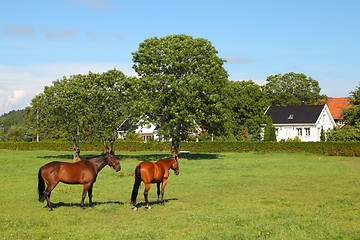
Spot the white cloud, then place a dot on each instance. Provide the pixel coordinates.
(241, 60)
(16, 97)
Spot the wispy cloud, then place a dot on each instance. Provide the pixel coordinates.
(19, 31)
(119, 36)
(241, 60)
(53, 34)
(94, 4)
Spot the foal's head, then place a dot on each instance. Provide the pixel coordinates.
(112, 160)
(175, 166)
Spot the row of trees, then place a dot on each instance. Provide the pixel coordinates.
(182, 84)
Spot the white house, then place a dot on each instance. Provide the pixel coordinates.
(305, 121)
(147, 133)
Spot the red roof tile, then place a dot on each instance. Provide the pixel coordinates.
(337, 105)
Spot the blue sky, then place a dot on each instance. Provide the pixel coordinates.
(41, 41)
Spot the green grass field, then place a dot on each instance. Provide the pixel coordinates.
(215, 196)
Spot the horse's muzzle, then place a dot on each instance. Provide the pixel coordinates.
(117, 167)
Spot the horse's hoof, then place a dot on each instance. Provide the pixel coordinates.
(135, 208)
(148, 207)
(50, 209)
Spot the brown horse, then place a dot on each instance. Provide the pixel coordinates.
(82, 172)
(149, 172)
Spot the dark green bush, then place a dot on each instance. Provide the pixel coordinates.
(327, 148)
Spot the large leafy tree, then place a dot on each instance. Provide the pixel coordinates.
(247, 104)
(82, 104)
(107, 100)
(182, 81)
(292, 89)
(61, 106)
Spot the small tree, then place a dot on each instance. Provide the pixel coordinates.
(322, 135)
(269, 131)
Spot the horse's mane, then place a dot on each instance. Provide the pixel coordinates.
(92, 157)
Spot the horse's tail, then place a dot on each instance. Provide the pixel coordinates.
(41, 186)
(136, 185)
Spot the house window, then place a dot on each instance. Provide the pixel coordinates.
(307, 131)
(299, 131)
(276, 131)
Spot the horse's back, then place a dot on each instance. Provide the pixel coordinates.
(152, 172)
(67, 172)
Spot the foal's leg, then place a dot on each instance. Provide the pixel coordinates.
(146, 193)
(86, 188)
(90, 194)
(162, 191)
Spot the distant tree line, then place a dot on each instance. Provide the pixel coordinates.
(181, 85)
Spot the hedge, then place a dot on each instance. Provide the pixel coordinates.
(327, 148)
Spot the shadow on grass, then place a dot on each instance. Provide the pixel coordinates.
(142, 157)
(155, 157)
(62, 204)
(151, 203)
(68, 156)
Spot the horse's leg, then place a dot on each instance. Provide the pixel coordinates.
(90, 194)
(47, 194)
(86, 188)
(146, 193)
(158, 191)
(162, 191)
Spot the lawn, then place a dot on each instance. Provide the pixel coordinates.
(215, 196)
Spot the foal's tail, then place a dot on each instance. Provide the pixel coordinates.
(41, 186)
(136, 185)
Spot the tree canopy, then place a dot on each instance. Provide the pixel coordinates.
(182, 80)
(247, 104)
(92, 104)
(352, 115)
(292, 89)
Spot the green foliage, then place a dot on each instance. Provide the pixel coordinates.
(182, 84)
(345, 133)
(12, 119)
(352, 115)
(85, 106)
(292, 89)
(247, 105)
(322, 135)
(269, 131)
(293, 146)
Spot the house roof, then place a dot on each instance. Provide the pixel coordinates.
(337, 105)
(125, 126)
(294, 114)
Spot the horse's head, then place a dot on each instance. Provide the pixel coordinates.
(175, 166)
(112, 160)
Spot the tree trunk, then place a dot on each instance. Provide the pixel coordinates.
(175, 148)
(76, 157)
(76, 148)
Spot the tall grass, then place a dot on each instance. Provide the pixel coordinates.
(215, 196)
